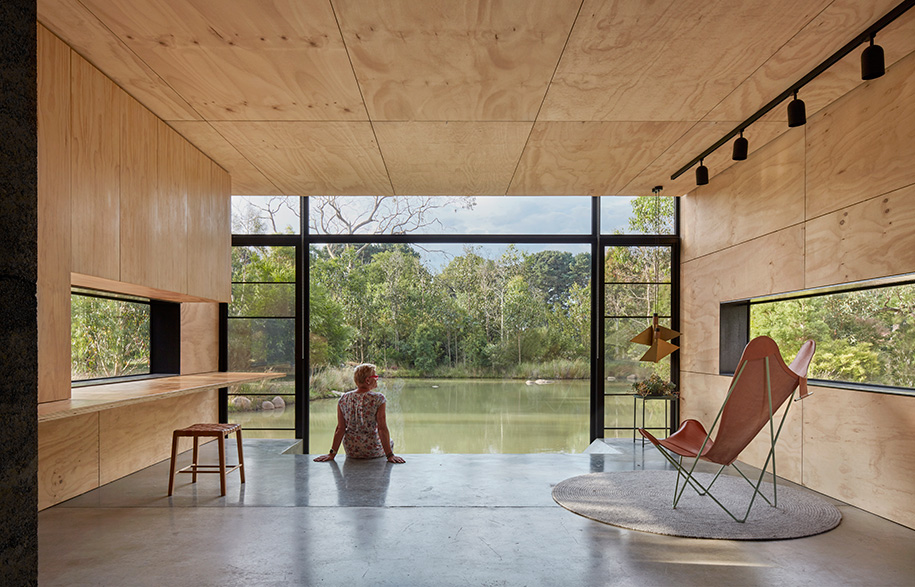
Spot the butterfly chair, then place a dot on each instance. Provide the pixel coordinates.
(761, 384)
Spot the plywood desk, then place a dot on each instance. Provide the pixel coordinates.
(94, 398)
(104, 432)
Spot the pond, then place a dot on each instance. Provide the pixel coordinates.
(468, 416)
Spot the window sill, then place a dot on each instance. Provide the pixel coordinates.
(849, 386)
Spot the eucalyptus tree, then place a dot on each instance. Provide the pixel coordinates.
(109, 338)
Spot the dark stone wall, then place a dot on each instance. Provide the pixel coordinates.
(18, 306)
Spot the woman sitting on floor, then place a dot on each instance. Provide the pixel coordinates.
(361, 423)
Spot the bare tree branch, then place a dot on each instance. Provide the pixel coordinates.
(378, 214)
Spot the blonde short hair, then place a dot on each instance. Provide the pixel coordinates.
(362, 372)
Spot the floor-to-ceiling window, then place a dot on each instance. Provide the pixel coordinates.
(264, 317)
(637, 285)
(261, 330)
(639, 277)
(478, 312)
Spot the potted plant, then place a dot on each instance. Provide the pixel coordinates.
(654, 386)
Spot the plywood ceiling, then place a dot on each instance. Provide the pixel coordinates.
(470, 97)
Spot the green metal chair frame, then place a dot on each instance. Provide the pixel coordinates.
(761, 385)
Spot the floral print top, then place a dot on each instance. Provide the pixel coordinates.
(359, 409)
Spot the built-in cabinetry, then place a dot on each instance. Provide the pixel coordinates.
(53, 217)
(123, 198)
(127, 205)
(105, 432)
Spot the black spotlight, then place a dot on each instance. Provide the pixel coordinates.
(741, 145)
(872, 64)
(701, 174)
(797, 112)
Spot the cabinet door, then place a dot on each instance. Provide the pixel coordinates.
(208, 229)
(139, 194)
(53, 217)
(171, 226)
(221, 206)
(94, 171)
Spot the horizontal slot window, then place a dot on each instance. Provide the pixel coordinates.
(865, 333)
(109, 335)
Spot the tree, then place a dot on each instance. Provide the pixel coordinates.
(652, 215)
(329, 334)
(263, 291)
(550, 272)
(841, 354)
(378, 214)
(260, 215)
(109, 338)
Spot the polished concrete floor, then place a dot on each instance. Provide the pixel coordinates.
(436, 520)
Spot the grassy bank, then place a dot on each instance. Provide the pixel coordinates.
(338, 379)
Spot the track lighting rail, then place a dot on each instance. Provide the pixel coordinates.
(861, 38)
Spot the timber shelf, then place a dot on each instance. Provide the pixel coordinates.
(95, 398)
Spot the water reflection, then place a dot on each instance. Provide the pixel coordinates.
(362, 482)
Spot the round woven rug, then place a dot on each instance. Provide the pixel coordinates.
(642, 500)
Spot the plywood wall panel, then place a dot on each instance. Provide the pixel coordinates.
(199, 338)
(699, 318)
(763, 194)
(773, 263)
(858, 223)
(139, 210)
(221, 208)
(863, 145)
(67, 458)
(200, 224)
(701, 395)
(863, 241)
(134, 437)
(171, 228)
(858, 447)
(208, 229)
(94, 171)
(53, 217)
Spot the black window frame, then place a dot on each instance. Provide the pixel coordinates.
(734, 329)
(164, 337)
(296, 242)
(598, 242)
(673, 243)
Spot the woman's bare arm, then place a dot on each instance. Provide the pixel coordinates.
(385, 436)
(338, 437)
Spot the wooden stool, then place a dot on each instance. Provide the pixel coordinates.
(220, 432)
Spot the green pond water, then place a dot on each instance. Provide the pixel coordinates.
(468, 417)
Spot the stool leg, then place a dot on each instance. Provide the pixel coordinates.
(222, 463)
(241, 455)
(171, 472)
(194, 469)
